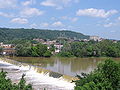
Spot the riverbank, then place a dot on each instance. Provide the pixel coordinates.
(38, 80)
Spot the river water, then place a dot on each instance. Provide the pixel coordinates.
(67, 66)
(53, 73)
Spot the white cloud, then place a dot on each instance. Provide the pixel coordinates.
(33, 25)
(48, 3)
(95, 12)
(44, 24)
(19, 20)
(26, 3)
(64, 17)
(31, 12)
(57, 24)
(29, 2)
(8, 3)
(73, 19)
(118, 18)
(6, 15)
(58, 4)
(109, 25)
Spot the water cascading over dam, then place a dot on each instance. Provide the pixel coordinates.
(39, 78)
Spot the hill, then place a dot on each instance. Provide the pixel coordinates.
(21, 33)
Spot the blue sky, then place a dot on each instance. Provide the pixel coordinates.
(91, 17)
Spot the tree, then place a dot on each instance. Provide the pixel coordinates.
(52, 48)
(47, 54)
(105, 77)
(23, 50)
(6, 83)
(1, 50)
(34, 52)
(41, 49)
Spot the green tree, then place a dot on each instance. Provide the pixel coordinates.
(47, 54)
(41, 49)
(105, 77)
(1, 50)
(6, 83)
(52, 48)
(34, 52)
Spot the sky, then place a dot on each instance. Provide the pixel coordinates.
(90, 17)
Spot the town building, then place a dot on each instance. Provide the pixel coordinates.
(96, 38)
(8, 49)
(58, 48)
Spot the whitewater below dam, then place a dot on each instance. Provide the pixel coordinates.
(39, 78)
(55, 73)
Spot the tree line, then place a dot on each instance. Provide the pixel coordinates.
(30, 50)
(8, 34)
(105, 48)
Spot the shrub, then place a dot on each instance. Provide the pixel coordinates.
(105, 77)
(6, 83)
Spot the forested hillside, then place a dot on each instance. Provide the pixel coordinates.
(11, 34)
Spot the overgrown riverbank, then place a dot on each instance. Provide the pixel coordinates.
(105, 77)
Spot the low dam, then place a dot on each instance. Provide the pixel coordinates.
(39, 78)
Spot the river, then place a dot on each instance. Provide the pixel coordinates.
(53, 73)
(67, 66)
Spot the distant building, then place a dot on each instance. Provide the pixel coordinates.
(95, 38)
(49, 42)
(1, 43)
(7, 45)
(8, 49)
(39, 40)
(58, 48)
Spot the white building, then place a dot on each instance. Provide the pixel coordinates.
(95, 38)
(58, 48)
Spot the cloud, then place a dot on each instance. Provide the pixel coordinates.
(73, 19)
(57, 24)
(118, 18)
(48, 3)
(109, 24)
(19, 20)
(6, 15)
(33, 25)
(26, 3)
(29, 2)
(8, 3)
(58, 4)
(44, 24)
(95, 12)
(31, 12)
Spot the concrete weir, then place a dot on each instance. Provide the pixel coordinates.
(39, 78)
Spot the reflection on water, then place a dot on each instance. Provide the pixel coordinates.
(67, 66)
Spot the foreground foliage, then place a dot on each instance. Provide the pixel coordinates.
(6, 84)
(105, 77)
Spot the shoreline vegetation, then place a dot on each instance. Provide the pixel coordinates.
(105, 77)
(105, 48)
